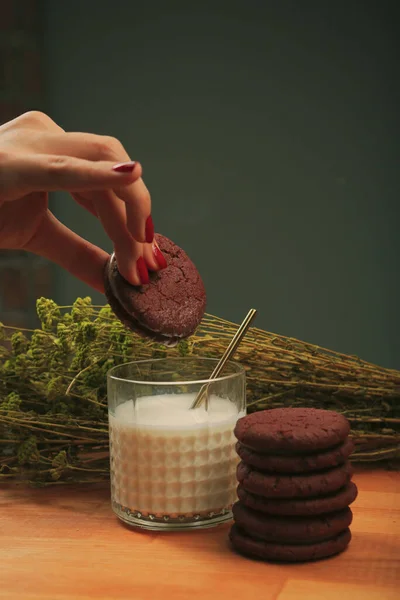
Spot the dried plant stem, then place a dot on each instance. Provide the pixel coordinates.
(53, 416)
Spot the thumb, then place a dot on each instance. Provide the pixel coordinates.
(57, 243)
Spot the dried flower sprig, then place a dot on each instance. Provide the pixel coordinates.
(53, 413)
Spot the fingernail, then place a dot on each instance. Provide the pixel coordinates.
(149, 230)
(160, 258)
(126, 167)
(142, 270)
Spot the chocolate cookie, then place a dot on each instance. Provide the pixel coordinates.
(291, 530)
(300, 506)
(293, 486)
(249, 546)
(292, 430)
(297, 463)
(169, 308)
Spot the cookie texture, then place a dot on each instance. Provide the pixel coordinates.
(170, 307)
(293, 529)
(300, 506)
(293, 486)
(273, 551)
(301, 463)
(292, 430)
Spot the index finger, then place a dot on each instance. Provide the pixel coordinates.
(138, 210)
(46, 173)
(94, 147)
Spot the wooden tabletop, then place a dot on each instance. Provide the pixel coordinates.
(65, 543)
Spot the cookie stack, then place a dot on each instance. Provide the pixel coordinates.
(295, 484)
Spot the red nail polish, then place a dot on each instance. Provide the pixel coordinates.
(160, 258)
(149, 230)
(126, 167)
(142, 270)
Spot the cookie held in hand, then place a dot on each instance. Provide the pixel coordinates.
(166, 310)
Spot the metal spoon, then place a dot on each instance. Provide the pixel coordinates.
(231, 349)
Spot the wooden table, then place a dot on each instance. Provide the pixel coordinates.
(65, 543)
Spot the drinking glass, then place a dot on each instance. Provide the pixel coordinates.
(172, 466)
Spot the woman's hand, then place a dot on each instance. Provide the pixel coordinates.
(36, 157)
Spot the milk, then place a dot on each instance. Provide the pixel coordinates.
(169, 460)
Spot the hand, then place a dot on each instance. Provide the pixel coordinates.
(36, 157)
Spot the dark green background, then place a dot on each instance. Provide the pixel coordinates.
(268, 133)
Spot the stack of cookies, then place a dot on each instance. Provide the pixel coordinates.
(295, 484)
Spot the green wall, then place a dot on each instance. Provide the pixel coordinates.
(268, 133)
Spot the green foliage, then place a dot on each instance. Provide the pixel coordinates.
(53, 389)
(184, 348)
(48, 312)
(53, 405)
(81, 309)
(19, 343)
(28, 452)
(11, 403)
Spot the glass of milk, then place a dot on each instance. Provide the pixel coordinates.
(173, 467)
